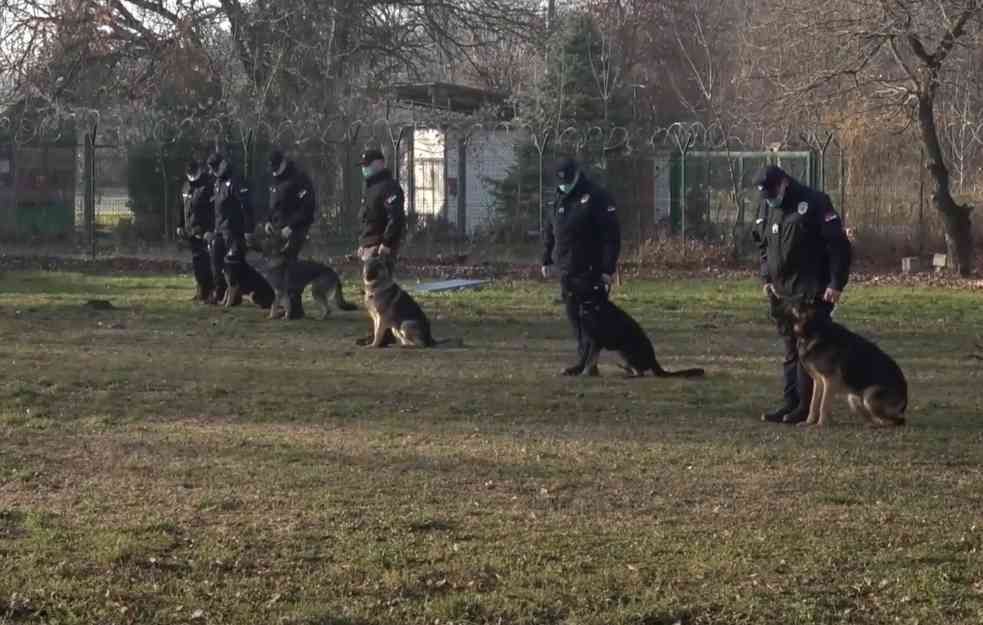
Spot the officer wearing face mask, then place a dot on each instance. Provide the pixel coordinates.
(805, 257)
(383, 217)
(233, 219)
(292, 208)
(585, 233)
(196, 219)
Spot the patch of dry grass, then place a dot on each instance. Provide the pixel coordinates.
(163, 463)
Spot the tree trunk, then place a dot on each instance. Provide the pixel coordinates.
(958, 227)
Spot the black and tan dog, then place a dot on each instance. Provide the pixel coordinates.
(254, 285)
(392, 308)
(609, 327)
(840, 361)
(324, 281)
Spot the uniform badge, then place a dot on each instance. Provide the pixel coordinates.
(585, 199)
(803, 208)
(611, 209)
(774, 228)
(228, 183)
(759, 222)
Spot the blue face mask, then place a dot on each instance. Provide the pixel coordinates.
(567, 187)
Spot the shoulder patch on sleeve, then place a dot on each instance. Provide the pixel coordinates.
(803, 208)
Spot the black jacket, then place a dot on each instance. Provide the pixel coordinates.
(804, 248)
(233, 214)
(292, 200)
(584, 231)
(197, 214)
(383, 215)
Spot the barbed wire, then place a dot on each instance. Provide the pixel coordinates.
(124, 128)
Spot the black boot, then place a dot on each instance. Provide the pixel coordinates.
(295, 306)
(804, 387)
(777, 416)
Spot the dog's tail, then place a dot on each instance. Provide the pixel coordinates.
(682, 373)
(340, 301)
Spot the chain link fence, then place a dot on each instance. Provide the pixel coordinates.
(99, 187)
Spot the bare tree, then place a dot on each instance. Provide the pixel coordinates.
(885, 55)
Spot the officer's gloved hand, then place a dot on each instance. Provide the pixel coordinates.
(268, 228)
(606, 279)
(180, 233)
(286, 232)
(547, 271)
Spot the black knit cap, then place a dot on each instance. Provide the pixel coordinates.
(370, 156)
(768, 178)
(566, 171)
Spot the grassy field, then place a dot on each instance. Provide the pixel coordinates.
(168, 463)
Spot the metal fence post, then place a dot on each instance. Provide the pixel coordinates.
(89, 159)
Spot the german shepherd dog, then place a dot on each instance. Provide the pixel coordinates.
(392, 308)
(324, 281)
(609, 327)
(840, 361)
(253, 284)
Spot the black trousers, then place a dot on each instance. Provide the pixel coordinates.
(201, 264)
(796, 383)
(576, 291)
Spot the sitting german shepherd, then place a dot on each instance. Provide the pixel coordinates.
(609, 327)
(840, 361)
(253, 284)
(392, 308)
(324, 281)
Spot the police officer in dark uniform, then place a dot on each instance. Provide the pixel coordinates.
(805, 257)
(233, 220)
(198, 218)
(586, 236)
(383, 217)
(292, 208)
